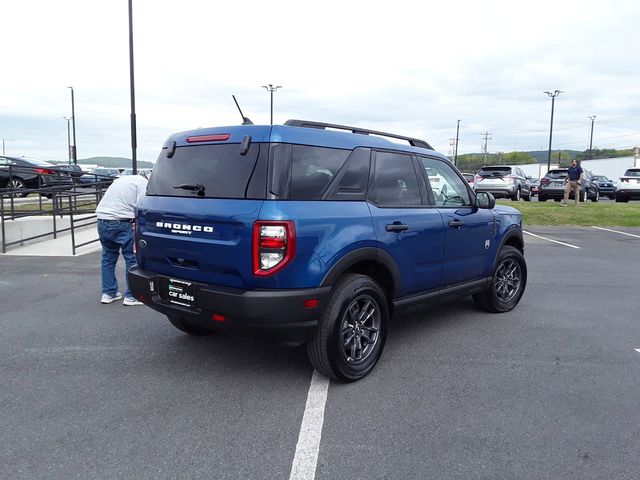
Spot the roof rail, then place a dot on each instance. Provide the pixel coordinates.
(414, 142)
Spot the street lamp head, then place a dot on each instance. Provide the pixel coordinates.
(271, 88)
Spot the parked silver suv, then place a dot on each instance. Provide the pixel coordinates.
(503, 181)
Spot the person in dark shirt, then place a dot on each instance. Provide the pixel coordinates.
(573, 182)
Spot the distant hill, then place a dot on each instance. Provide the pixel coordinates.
(113, 162)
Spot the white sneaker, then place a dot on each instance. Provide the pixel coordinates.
(131, 301)
(106, 298)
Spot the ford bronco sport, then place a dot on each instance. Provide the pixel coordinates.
(316, 233)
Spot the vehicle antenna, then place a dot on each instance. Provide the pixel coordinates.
(245, 120)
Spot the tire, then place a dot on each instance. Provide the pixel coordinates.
(620, 198)
(596, 197)
(188, 327)
(516, 196)
(541, 198)
(508, 282)
(612, 197)
(527, 198)
(17, 184)
(584, 196)
(358, 313)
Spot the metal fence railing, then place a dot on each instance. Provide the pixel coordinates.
(72, 200)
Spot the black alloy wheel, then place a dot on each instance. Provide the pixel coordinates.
(351, 333)
(507, 284)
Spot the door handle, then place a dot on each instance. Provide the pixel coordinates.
(396, 227)
(455, 223)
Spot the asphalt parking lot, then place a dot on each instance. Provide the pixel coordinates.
(547, 391)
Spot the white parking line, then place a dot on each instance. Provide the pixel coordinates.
(638, 350)
(551, 240)
(616, 231)
(308, 447)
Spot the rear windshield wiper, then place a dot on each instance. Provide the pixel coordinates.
(196, 188)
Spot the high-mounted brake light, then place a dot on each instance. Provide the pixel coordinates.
(274, 246)
(220, 137)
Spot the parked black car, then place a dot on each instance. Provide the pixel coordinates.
(503, 181)
(606, 187)
(552, 186)
(74, 170)
(19, 173)
(102, 175)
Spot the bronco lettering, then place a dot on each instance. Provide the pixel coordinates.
(184, 227)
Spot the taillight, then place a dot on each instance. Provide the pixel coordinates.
(512, 177)
(545, 181)
(44, 171)
(220, 137)
(625, 180)
(274, 246)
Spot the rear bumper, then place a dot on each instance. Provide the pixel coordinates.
(496, 191)
(632, 193)
(277, 315)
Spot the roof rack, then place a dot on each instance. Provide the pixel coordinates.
(414, 142)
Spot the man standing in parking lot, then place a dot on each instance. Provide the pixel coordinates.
(573, 182)
(116, 214)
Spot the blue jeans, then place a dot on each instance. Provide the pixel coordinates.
(114, 237)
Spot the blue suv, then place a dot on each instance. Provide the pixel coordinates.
(313, 233)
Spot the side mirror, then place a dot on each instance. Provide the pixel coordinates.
(485, 200)
(528, 177)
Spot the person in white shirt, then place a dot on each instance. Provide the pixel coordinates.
(116, 214)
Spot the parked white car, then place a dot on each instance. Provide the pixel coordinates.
(628, 187)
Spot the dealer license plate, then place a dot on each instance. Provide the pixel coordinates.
(181, 293)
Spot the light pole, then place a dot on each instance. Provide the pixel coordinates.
(134, 141)
(68, 138)
(3, 146)
(553, 101)
(593, 118)
(455, 151)
(74, 153)
(270, 88)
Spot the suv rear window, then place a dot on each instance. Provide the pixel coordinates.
(632, 172)
(557, 174)
(219, 169)
(494, 171)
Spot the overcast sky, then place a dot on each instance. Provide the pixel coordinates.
(412, 68)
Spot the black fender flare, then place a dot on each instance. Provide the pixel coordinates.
(513, 233)
(365, 254)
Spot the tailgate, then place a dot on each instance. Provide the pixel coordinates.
(205, 240)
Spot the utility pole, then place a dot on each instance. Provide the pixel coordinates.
(134, 141)
(486, 139)
(553, 100)
(455, 152)
(452, 144)
(74, 152)
(593, 118)
(270, 88)
(68, 139)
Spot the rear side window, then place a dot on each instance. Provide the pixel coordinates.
(395, 181)
(210, 171)
(556, 174)
(313, 169)
(494, 171)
